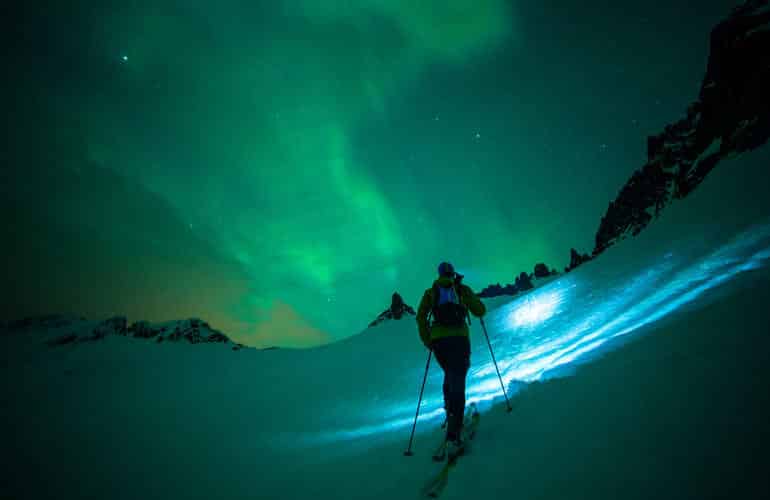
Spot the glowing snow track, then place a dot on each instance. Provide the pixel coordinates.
(567, 321)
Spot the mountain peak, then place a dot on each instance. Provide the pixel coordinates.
(61, 330)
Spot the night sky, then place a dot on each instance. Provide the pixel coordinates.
(280, 168)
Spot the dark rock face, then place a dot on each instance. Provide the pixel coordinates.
(524, 282)
(396, 310)
(541, 271)
(496, 290)
(731, 116)
(576, 259)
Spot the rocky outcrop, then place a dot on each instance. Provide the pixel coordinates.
(496, 290)
(731, 116)
(398, 308)
(576, 259)
(522, 283)
(541, 271)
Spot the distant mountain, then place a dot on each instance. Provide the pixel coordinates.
(61, 330)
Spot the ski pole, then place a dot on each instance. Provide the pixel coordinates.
(508, 403)
(408, 451)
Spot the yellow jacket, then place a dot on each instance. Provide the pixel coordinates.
(429, 333)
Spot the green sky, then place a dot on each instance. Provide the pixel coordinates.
(280, 168)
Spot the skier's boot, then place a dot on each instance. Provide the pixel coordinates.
(454, 448)
(440, 454)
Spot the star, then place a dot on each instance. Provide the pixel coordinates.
(478, 135)
(124, 58)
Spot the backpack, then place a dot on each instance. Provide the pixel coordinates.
(447, 309)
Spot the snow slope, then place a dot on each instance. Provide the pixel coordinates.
(680, 411)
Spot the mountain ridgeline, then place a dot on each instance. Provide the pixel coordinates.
(730, 116)
(62, 330)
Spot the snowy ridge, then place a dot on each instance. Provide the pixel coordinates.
(59, 330)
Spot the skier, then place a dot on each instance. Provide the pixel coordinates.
(448, 302)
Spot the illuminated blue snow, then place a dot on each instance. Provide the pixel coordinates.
(538, 308)
(565, 322)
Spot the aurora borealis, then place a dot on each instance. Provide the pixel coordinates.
(280, 168)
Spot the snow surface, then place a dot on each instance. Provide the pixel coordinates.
(681, 412)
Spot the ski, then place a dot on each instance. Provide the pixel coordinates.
(436, 486)
(440, 454)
